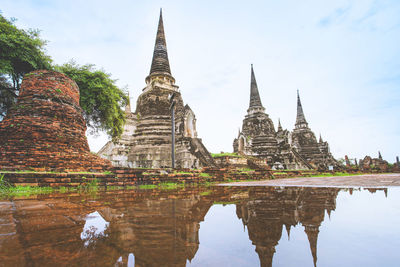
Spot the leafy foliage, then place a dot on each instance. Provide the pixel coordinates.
(20, 52)
(7, 95)
(100, 98)
(23, 51)
(225, 154)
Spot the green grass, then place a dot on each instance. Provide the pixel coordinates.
(204, 175)
(205, 193)
(20, 171)
(147, 186)
(246, 170)
(218, 155)
(162, 186)
(236, 181)
(53, 172)
(169, 186)
(337, 174)
(93, 185)
(8, 190)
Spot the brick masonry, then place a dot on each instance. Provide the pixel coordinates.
(131, 177)
(45, 130)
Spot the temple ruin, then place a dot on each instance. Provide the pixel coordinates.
(146, 141)
(45, 129)
(282, 149)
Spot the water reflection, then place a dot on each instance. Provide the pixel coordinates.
(270, 208)
(94, 228)
(152, 228)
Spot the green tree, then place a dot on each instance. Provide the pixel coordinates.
(21, 51)
(7, 95)
(100, 98)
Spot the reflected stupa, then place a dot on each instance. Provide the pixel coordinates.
(269, 209)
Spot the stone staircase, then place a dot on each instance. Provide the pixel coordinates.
(300, 158)
(201, 151)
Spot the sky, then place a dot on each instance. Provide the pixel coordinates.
(343, 56)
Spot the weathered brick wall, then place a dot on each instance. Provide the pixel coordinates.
(45, 130)
(130, 177)
(133, 177)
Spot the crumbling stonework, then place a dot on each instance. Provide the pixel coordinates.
(45, 130)
(282, 149)
(147, 138)
(377, 164)
(316, 153)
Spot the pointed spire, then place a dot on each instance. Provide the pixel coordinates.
(279, 126)
(128, 106)
(265, 254)
(379, 155)
(300, 119)
(320, 139)
(312, 234)
(288, 231)
(160, 63)
(255, 100)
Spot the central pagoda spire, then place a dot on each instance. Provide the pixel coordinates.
(300, 119)
(160, 63)
(255, 101)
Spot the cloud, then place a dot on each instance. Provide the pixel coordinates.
(338, 15)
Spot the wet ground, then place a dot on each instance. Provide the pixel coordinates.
(367, 180)
(214, 226)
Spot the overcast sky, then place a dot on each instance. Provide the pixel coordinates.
(343, 56)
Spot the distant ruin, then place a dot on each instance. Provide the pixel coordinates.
(282, 149)
(45, 129)
(146, 140)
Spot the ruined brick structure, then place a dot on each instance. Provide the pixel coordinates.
(369, 164)
(146, 141)
(282, 149)
(45, 130)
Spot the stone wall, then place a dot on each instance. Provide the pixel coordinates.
(45, 130)
(133, 177)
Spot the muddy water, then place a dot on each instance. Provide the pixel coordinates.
(221, 226)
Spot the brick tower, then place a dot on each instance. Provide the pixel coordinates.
(45, 130)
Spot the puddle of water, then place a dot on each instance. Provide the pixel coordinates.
(219, 226)
(94, 228)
